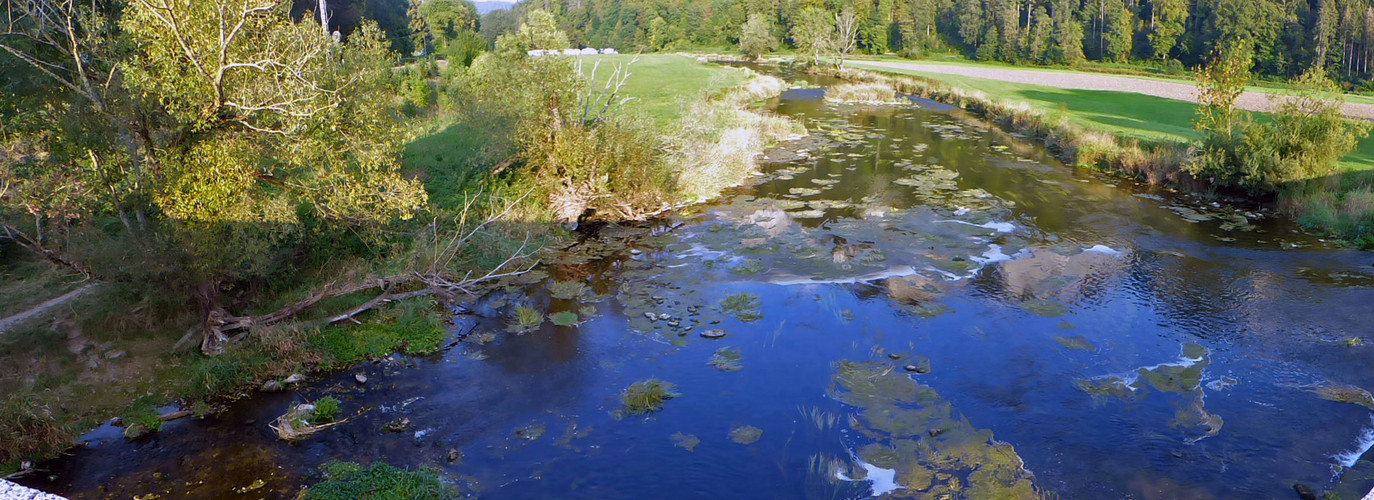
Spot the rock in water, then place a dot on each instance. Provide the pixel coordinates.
(453, 455)
(713, 333)
(1304, 492)
(273, 385)
(295, 378)
(362, 379)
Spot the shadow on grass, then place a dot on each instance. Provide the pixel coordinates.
(454, 160)
(1131, 115)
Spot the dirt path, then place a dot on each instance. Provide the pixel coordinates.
(1253, 101)
(7, 323)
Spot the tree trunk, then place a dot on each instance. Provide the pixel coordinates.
(324, 18)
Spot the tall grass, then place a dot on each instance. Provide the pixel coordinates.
(717, 143)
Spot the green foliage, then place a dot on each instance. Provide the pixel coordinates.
(378, 481)
(757, 37)
(1303, 141)
(326, 410)
(408, 326)
(540, 31)
(567, 290)
(647, 396)
(564, 318)
(527, 318)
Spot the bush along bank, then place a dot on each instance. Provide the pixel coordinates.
(1314, 192)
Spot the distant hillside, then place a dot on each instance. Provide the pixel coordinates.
(485, 7)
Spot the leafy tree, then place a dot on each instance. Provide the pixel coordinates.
(812, 31)
(419, 31)
(757, 37)
(1119, 30)
(212, 149)
(1039, 46)
(539, 32)
(1167, 26)
(1068, 34)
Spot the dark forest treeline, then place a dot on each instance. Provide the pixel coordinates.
(1288, 37)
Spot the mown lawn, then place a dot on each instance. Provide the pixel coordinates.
(661, 83)
(1115, 69)
(1126, 114)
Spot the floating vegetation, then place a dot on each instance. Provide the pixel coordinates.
(1343, 393)
(647, 396)
(1078, 342)
(567, 290)
(915, 436)
(530, 432)
(726, 359)
(746, 434)
(685, 441)
(804, 191)
(1180, 377)
(1042, 307)
(526, 318)
(744, 306)
(564, 318)
(747, 267)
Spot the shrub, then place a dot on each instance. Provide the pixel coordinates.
(1305, 139)
(1174, 67)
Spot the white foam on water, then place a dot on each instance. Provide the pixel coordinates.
(1104, 249)
(883, 481)
(1128, 379)
(891, 272)
(1363, 443)
(1001, 227)
(993, 255)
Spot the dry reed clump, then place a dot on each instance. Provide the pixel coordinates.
(1157, 164)
(717, 141)
(868, 92)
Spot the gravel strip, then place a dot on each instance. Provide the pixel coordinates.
(1253, 101)
(11, 491)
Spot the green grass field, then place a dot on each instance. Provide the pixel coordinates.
(660, 84)
(1120, 69)
(451, 157)
(1138, 116)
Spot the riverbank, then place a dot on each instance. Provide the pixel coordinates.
(109, 353)
(1140, 135)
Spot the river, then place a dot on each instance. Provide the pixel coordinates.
(913, 303)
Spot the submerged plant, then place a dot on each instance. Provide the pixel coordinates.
(746, 434)
(647, 396)
(744, 306)
(726, 359)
